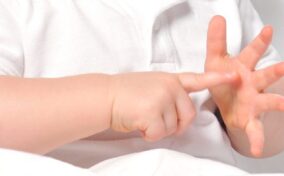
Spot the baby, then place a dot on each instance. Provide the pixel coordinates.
(72, 69)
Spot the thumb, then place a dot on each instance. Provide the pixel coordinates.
(193, 82)
(255, 133)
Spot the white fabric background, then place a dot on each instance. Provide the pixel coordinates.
(158, 163)
(271, 12)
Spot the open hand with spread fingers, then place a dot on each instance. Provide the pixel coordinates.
(241, 103)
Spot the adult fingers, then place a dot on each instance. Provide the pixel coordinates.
(270, 102)
(254, 51)
(216, 38)
(265, 77)
(255, 133)
(195, 82)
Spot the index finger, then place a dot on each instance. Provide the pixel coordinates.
(193, 82)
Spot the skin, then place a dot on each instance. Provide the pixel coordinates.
(243, 103)
(39, 115)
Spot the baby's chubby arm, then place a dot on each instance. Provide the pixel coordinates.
(243, 103)
(39, 114)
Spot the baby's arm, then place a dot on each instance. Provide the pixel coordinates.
(38, 115)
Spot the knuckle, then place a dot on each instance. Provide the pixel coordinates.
(172, 130)
(155, 135)
(161, 97)
(191, 114)
(171, 80)
(151, 107)
(162, 92)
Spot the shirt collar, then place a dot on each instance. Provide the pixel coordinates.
(144, 9)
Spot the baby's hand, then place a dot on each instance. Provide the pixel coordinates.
(243, 102)
(157, 103)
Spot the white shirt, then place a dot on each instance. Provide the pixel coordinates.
(55, 38)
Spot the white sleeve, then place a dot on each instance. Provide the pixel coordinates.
(11, 50)
(251, 26)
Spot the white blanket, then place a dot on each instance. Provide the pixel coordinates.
(159, 162)
(14, 163)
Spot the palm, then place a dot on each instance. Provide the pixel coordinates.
(242, 103)
(236, 100)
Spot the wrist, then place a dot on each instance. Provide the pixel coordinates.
(94, 103)
(105, 100)
(237, 136)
